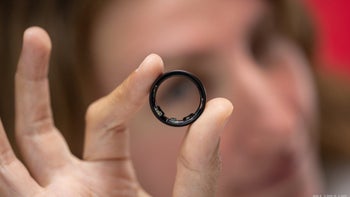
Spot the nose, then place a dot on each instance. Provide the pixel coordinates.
(264, 119)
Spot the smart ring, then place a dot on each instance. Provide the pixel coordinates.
(158, 112)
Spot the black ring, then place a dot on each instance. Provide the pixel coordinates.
(157, 111)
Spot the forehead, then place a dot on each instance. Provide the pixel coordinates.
(167, 27)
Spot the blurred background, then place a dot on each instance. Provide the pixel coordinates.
(332, 24)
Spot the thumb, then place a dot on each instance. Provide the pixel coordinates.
(198, 164)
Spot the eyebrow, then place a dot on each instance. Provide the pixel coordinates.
(187, 59)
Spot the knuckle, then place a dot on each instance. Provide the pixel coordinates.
(92, 110)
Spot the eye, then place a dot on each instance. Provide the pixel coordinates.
(178, 96)
(260, 37)
(175, 90)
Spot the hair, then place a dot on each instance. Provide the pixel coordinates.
(69, 25)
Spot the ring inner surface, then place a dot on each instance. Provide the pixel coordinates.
(178, 97)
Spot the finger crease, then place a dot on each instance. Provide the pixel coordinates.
(6, 157)
(119, 128)
(187, 164)
(113, 159)
(40, 127)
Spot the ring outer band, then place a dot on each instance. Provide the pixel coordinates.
(157, 111)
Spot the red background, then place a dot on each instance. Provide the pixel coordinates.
(332, 22)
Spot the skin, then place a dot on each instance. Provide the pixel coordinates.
(106, 168)
(265, 147)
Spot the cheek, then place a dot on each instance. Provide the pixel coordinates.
(295, 86)
(269, 102)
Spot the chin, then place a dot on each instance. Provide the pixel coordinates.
(283, 178)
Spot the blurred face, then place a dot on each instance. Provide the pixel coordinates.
(266, 140)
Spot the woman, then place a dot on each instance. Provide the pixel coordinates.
(239, 49)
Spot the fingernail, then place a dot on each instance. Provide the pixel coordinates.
(146, 61)
(35, 53)
(229, 109)
(226, 120)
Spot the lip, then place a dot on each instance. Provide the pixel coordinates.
(283, 170)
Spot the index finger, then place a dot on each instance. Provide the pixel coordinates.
(107, 135)
(35, 130)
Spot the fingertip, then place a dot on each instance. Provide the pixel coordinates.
(37, 38)
(153, 57)
(220, 109)
(152, 62)
(148, 71)
(36, 48)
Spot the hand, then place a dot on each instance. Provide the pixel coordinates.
(106, 168)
